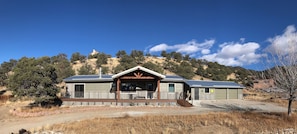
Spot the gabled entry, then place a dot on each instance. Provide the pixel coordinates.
(138, 78)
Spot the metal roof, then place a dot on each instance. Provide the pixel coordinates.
(168, 78)
(91, 78)
(216, 84)
(94, 78)
(173, 78)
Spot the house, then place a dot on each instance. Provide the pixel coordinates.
(142, 85)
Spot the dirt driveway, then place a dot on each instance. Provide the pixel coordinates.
(11, 123)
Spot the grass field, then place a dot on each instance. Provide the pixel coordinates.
(215, 122)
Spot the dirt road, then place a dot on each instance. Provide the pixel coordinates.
(11, 123)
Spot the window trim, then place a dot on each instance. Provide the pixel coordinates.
(84, 87)
(169, 91)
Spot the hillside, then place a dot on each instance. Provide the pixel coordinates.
(112, 62)
(167, 63)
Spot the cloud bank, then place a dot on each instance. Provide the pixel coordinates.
(187, 48)
(285, 43)
(239, 53)
(235, 54)
(231, 54)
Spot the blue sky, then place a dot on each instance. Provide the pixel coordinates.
(233, 32)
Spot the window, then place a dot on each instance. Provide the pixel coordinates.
(128, 86)
(171, 88)
(79, 91)
(206, 90)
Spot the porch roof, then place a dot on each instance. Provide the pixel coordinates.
(138, 68)
(215, 84)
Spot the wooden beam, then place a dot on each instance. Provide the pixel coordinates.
(118, 88)
(158, 85)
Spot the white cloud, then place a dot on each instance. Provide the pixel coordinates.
(235, 54)
(242, 40)
(205, 51)
(188, 48)
(282, 44)
(228, 53)
(158, 48)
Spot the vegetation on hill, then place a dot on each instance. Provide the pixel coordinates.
(37, 77)
(174, 62)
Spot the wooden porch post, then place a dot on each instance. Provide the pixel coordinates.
(158, 84)
(118, 88)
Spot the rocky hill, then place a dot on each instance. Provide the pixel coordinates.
(113, 62)
(167, 63)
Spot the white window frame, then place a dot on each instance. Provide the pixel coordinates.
(84, 85)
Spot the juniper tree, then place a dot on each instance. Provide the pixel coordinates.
(34, 78)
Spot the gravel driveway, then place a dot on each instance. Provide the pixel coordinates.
(242, 105)
(11, 123)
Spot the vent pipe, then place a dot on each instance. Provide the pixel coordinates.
(100, 73)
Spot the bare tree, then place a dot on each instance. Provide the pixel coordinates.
(283, 63)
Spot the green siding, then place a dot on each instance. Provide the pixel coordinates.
(220, 94)
(163, 87)
(240, 93)
(196, 94)
(206, 96)
(98, 87)
(179, 87)
(233, 93)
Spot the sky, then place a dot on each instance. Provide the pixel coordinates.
(231, 32)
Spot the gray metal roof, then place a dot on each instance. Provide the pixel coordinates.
(216, 84)
(168, 78)
(173, 78)
(90, 78)
(94, 78)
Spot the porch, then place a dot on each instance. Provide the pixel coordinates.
(138, 98)
(125, 95)
(115, 102)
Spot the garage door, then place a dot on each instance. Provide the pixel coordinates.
(221, 94)
(233, 93)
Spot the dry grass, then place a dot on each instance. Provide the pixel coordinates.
(222, 122)
(4, 98)
(255, 95)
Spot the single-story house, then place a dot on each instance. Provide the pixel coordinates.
(142, 83)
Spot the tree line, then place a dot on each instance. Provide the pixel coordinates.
(38, 77)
